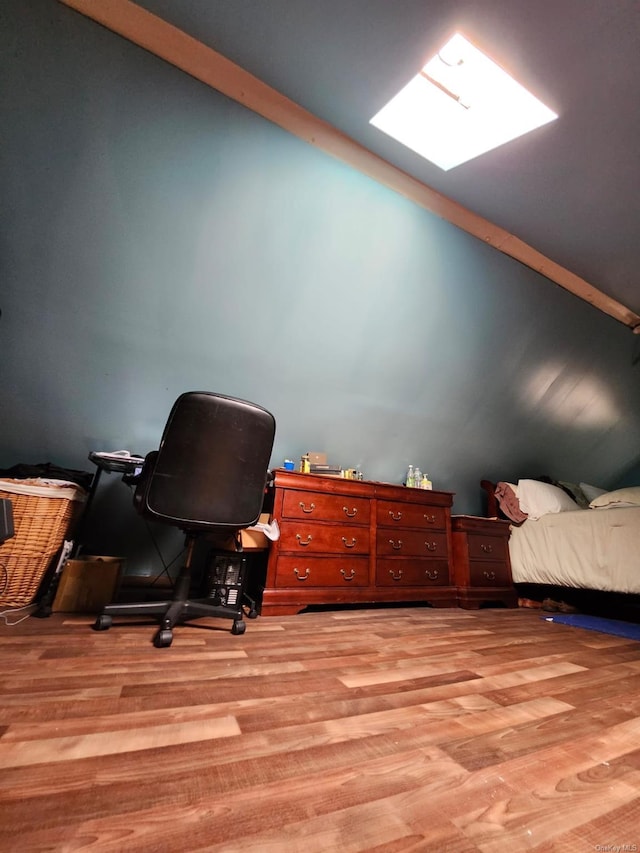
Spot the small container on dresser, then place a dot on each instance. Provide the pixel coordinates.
(481, 565)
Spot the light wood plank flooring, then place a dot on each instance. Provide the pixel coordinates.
(391, 730)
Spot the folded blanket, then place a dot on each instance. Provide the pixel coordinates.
(507, 497)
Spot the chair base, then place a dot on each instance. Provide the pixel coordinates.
(171, 613)
(179, 609)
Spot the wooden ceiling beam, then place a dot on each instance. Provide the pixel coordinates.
(185, 52)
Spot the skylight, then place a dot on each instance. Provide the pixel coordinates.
(460, 105)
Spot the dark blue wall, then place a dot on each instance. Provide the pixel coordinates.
(157, 238)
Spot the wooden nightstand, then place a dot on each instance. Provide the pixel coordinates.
(481, 565)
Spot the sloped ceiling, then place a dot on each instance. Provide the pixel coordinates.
(568, 190)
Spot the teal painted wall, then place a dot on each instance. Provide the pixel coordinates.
(158, 238)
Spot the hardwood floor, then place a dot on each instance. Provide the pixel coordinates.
(389, 730)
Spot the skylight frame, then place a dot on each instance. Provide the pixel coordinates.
(460, 105)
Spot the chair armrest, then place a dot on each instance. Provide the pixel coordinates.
(141, 480)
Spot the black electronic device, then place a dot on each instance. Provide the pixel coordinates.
(6, 520)
(225, 577)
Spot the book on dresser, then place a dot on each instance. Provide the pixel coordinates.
(326, 470)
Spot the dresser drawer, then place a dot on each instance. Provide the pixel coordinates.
(412, 572)
(322, 571)
(410, 543)
(305, 536)
(318, 507)
(482, 547)
(485, 573)
(397, 514)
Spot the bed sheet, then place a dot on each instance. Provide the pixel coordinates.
(588, 549)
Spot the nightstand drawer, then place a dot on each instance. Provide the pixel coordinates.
(482, 547)
(484, 573)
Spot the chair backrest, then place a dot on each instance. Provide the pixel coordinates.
(212, 464)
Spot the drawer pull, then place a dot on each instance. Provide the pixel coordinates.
(431, 546)
(430, 519)
(306, 508)
(396, 545)
(350, 577)
(490, 576)
(301, 577)
(395, 577)
(351, 513)
(350, 544)
(395, 516)
(433, 576)
(488, 549)
(300, 542)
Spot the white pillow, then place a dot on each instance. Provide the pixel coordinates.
(591, 492)
(538, 499)
(620, 497)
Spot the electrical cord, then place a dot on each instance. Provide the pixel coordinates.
(165, 566)
(4, 614)
(132, 483)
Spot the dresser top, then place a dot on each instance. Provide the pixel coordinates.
(361, 488)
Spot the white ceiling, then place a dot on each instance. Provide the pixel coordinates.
(569, 189)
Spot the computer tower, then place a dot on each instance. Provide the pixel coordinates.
(225, 578)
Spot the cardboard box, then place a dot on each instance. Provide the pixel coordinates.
(87, 584)
(252, 540)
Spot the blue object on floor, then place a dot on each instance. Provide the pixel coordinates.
(629, 630)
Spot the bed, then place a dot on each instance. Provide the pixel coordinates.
(561, 538)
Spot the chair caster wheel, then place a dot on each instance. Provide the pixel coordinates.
(102, 623)
(238, 627)
(163, 638)
(253, 613)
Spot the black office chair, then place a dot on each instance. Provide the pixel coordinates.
(208, 476)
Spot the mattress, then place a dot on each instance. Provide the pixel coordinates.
(589, 549)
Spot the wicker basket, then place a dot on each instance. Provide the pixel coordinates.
(43, 516)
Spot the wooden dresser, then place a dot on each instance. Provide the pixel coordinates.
(481, 565)
(344, 541)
